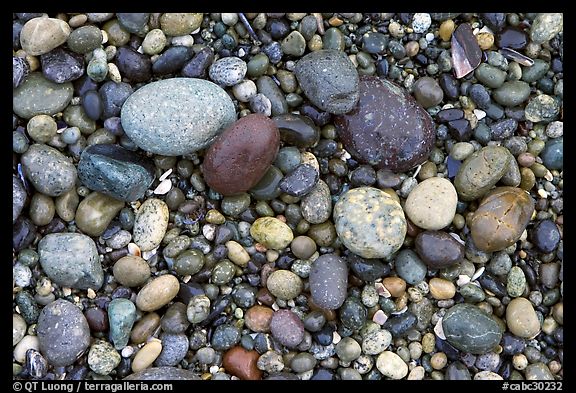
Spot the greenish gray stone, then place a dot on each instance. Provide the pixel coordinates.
(71, 260)
(316, 206)
(512, 93)
(545, 26)
(103, 358)
(538, 372)
(353, 314)
(177, 246)
(19, 196)
(410, 267)
(490, 76)
(303, 362)
(177, 116)
(481, 171)
(234, 205)
(470, 329)
(50, 171)
(63, 333)
(542, 108)
(512, 177)
(39, 96)
(472, 293)
(133, 22)
(294, 44)
(121, 316)
(198, 309)
(553, 154)
(258, 65)
(516, 282)
(84, 39)
(376, 342)
(288, 158)
(115, 171)
(27, 306)
(271, 232)
(163, 374)
(223, 272)
(270, 89)
(75, 116)
(329, 80)
(348, 349)
(333, 39)
(535, 71)
(267, 188)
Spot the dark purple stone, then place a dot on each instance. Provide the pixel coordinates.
(466, 53)
(453, 167)
(512, 37)
(438, 249)
(61, 66)
(451, 114)
(460, 130)
(387, 128)
(133, 65)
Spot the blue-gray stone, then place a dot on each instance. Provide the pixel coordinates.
(121, 316)
(62, 66)
(353, 313)
(172, 60)
(300, 181)
(174, 349)
(63, 333)
(328, 281)
(18, 197)
(40, 96)
(270, 89)
(113, 96)
(177, 116)
(133, 22)
(553, 154)
(115, 171)
(470, 329)
(329, 79)
(48, 169)
(71, 260)
(410, 267)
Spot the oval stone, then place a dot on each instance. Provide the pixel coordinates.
(481, 171)
(121, 316)
(150, 224)
(40, 96)
(241, 155)
(41, 35)
(316, 206)
(71, 260)
(115, 171)
(271, 232)
(328, 281)
(63, 333)
(329, 80)
(432, 203)
(96, 212)
(387, 128)
(176, 116)
(521, 318)
(369, 222)
(391, 365)
(470, 329)
(287, 328)
(438, 249)
(297, 130)
(501, 218)
(50, 171)
(157, 293)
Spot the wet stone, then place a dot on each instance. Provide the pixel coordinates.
(353, 314)
(174, 349)
(287, 328)
(367, 269)
(18, 197)
(553, 154)
(133, 65)
(20, 70)
(398, 325)
(512, 37)
(328, 281)
(546, 236)
(197, 66)
(297, 130)
(61, 66)
(172, 60)
(270, 90)
(300, 181)
(113, 96)
(466, 53)
(40, 96)
(400, 145)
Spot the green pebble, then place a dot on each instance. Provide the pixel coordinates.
(189, 262)
(258, 65)
(19, 142)
(234, 205)
(333, 39)
(264, 210)
(472, 293)
(516, 282)
(223, 272)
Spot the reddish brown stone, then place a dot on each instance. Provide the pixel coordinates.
(241, 155)
(438, 249)
(258, 318)
(388, 128)
(466, 53)
(242, 363)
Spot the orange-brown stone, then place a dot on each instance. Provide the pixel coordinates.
(257, 318)
(242, 363)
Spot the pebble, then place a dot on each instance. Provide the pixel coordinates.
(376, 342)
(172, 60)
(157, 293)
(553, 154)
(512, 93)
(503, 129)
(41, 209)
(300, 181)
(541, 108)
(174, 349)
(103, 358)
(294, 44)
(545, 27)
(328, 281)
(63, 333)
(121, 316)
(20, 70)
(432, 203)
(328, 78)
(95, 213)
(297, 130)
(242, 363)
(133, 22)
(490, 76)
(410, 267)
(228, 71)
(358, 128)
(516, 282)
(316, 206)
(175, 105)
(84, 39)
(40, 96)
(131, 271)
(501, 218)
(271, 232)
(198, 309)
(441, 289)
(546, 236)
(521, 318)
(146, 356)
(133, 65)
(287, 328)
(470, 329)
(177, 24)
(353, 313)
(303, 362)
(163, 374)
(348, 349)
(257, 318)
(374, 232)
(71, 260)
(374, 42)
(175, 320)
(41, 35)
(18, 328)
(237, 253)
(253, 139)
(428, 92)
(150, 224)
(284, 284)
(244, 90)
(466, 53)
(481, 171)
(97, 319)
(267, 88)
(28, 342)
(18, 197)
(536, 71)
(538, 372)
(391, 365)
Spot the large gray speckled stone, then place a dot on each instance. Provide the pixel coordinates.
(39, 96)
(177, 116)
(115, 171)
(369, 222)
(71, 260)
(50, 171)
(63, 332)
(329, 281)
(329, 80)
(163, 374)
(470, 329)
(18, 197)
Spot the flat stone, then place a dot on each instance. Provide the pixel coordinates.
(63, 333)
(471, 329)
(369, 222)
(512, 93)
(432, 203)
(328, 281)
(242, 363)
(177, 116)
(71, 260)
(300, 181)
(466, 53)
(246, 149)
(40, 96)
(388, 128)
(115, 171)
(96, 212)
(329, 79)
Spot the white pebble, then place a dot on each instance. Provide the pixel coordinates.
(555, 129)
(165, 174)
(183, 40)
(22, 275)
(127, 351)
(379, 317)
(114, 73)
(209, 231)
(244, 90)
(429, 37)
(480, 114)
(229, 19)
(421, 22)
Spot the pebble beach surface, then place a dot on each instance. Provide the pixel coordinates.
(325, 196)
